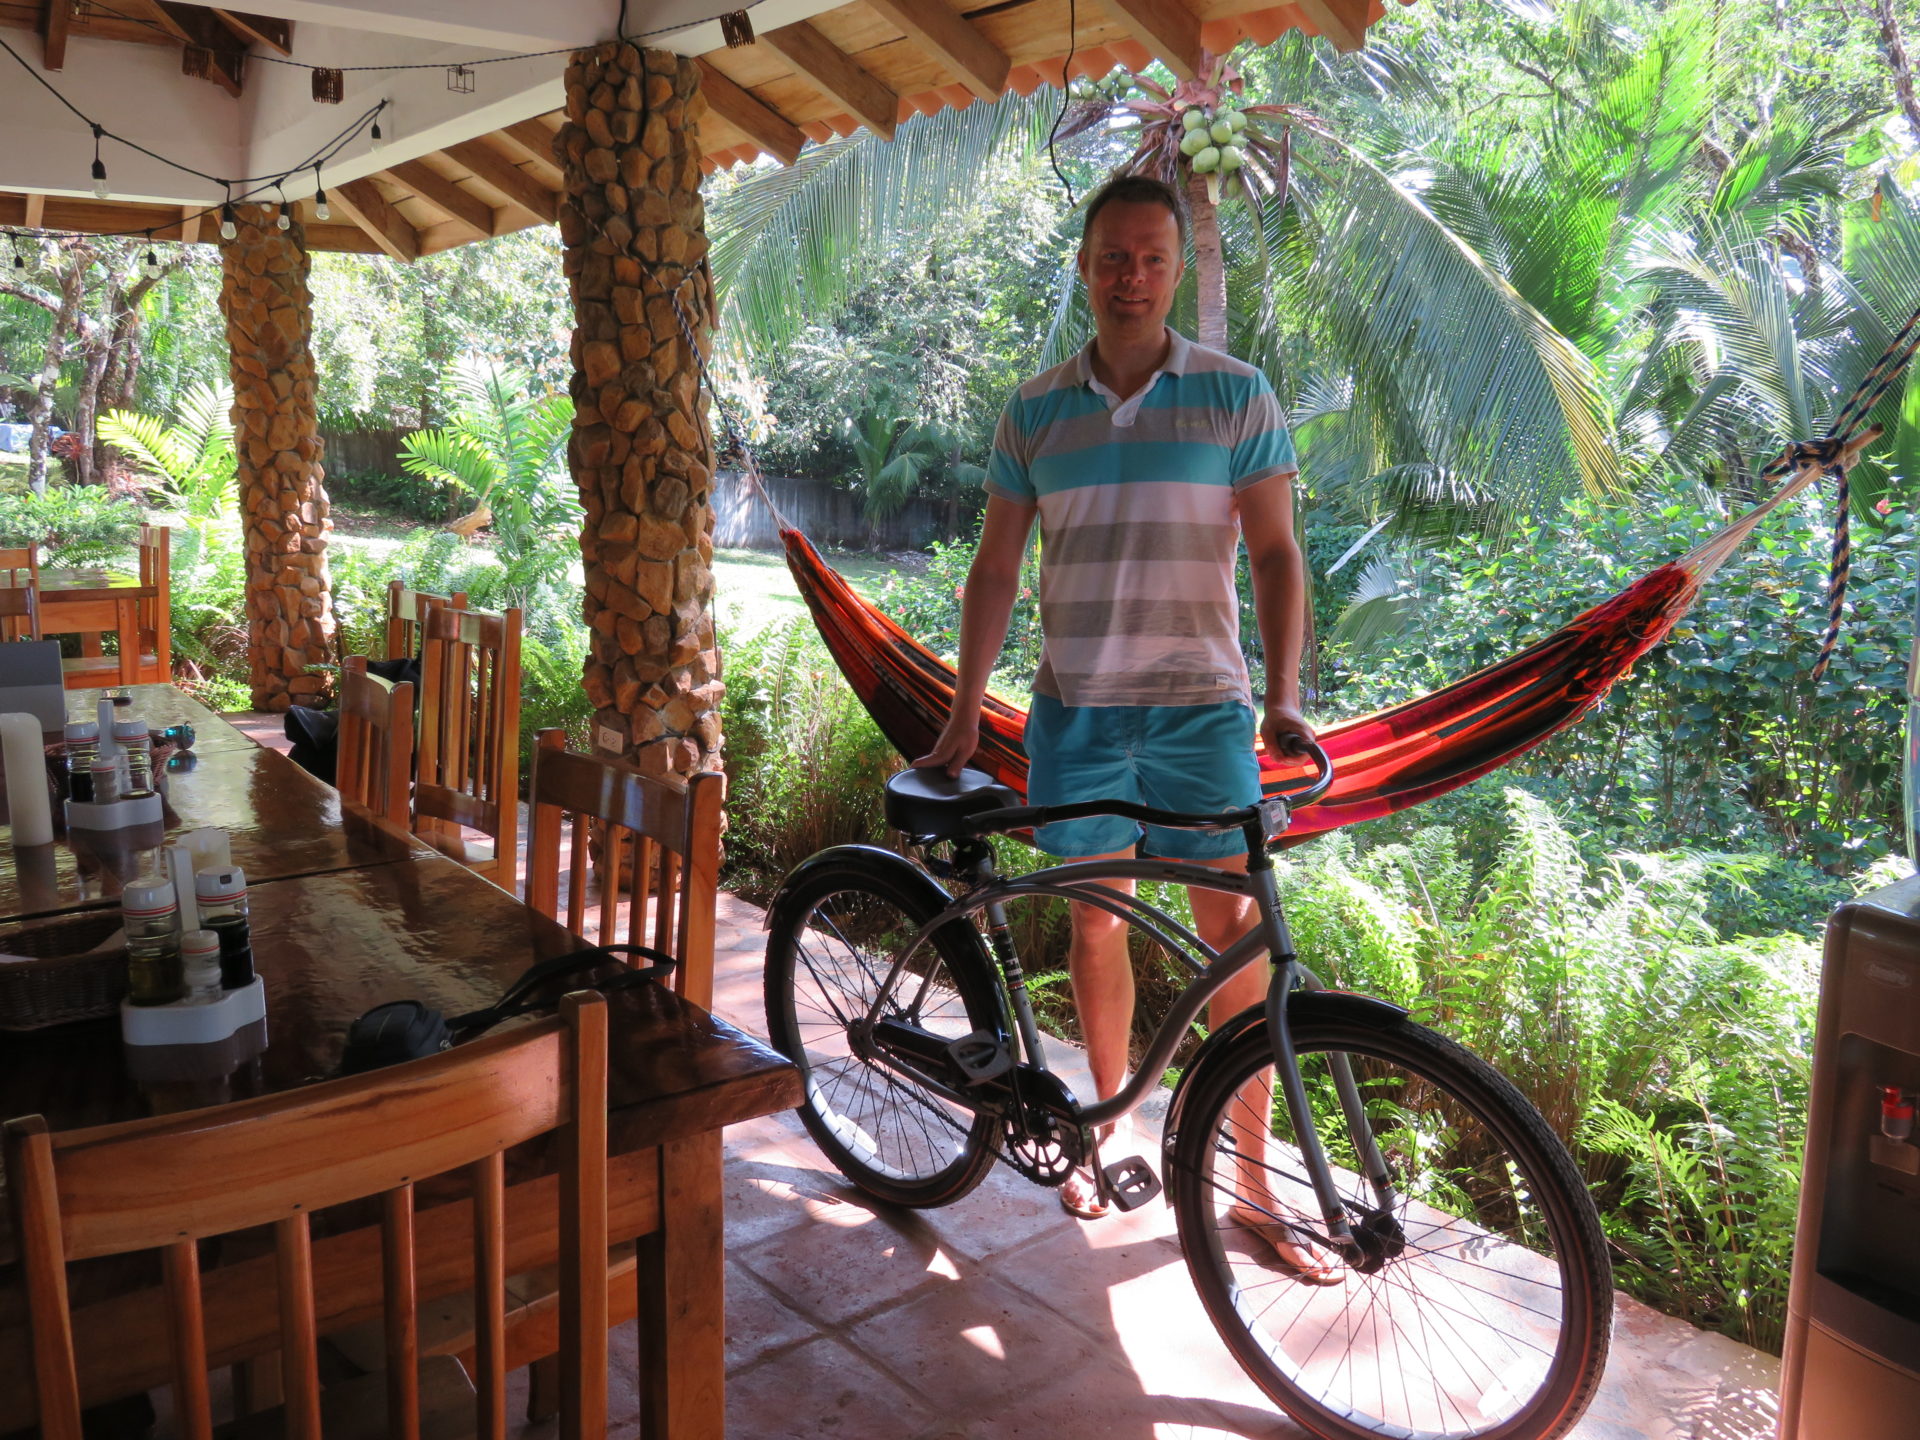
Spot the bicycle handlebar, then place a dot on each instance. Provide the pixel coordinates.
(1014, 817)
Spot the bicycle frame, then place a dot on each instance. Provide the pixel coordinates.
(1079, 881)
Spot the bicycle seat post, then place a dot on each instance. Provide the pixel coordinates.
(973, 864)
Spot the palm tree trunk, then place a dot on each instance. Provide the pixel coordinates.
(1209, 263)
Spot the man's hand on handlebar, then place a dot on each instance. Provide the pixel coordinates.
(1285, 730)
(956, 746)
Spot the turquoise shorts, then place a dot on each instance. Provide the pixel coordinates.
(1194, 758)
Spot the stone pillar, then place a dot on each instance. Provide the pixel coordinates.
(283, 503)
(633, 227)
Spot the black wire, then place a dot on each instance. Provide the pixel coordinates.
(1066, 97)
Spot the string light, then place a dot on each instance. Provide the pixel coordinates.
(99, 166)
(321, 210)
(283, 221)
(19, 255)
(376, 137)
(152, 261)
(229, 222)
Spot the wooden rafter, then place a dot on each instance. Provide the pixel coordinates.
(1342, 22)
(534, 141)
(386, 226)
(837, 74)
(1167, 28)
(273, 33)
(520, 188)
(768, 129)
(200, 30)
(58, 22)
(975, 61)
(435, 190)
(36, 211)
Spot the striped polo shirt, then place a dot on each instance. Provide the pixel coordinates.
(1138, 522)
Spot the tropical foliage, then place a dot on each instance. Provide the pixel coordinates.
(191, 457)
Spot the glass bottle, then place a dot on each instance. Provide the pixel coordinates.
(83, 746)
(152, 918)
(200, 964)
(221, 893)
(130, 734)
(107, 777)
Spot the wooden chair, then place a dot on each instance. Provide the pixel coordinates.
(644, 840)
(407, 612)
(376, 743)
(20, 592)
(167, 1183)
(468, 776)
(146, 638)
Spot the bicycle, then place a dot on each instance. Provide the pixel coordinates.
(1475, 1293)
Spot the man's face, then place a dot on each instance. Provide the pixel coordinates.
(1131, 262)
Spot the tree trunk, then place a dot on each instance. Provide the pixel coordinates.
(122, 372)
(1895, 49)
(65, 324)
(1209, 264)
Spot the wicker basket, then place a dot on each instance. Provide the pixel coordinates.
(55, 971)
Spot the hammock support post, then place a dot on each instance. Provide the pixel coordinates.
(633, 228)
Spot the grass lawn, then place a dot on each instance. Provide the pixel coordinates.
(753, 589)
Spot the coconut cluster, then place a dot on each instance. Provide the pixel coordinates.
(1212, 141)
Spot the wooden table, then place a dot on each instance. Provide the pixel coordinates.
(353, 930)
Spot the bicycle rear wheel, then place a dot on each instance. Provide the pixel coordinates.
(836, 929)
(1484, 1308)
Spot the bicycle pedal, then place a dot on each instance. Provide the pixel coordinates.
(1131, 1183)
(981, 1056)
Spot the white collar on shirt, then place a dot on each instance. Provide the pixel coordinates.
(1123, 412)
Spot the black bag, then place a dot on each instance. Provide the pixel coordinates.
(409, 1030)
(316, 733)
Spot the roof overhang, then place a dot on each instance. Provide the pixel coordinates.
(461, 165)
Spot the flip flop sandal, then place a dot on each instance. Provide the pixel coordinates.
(1093, 1209)
(1321, 1272)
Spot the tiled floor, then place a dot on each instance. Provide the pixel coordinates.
(1001, 1317)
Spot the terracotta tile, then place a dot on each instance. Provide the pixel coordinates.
(966, 1346)
(819, 1389)
(1098, 1399)
(758, 1321)
(851, 1261)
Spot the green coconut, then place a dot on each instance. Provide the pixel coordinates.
(1220, 131)
(1235, 119)
(1193, 142)
(1191, 120)
(1207, 161)
(1231, 159)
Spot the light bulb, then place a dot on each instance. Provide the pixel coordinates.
(228, 227)
(152, 263)
(284, 221)
(321, 210)
(100, 178)
(376, 136)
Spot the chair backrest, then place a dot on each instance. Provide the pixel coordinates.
(468, 775)
(19, 612)
(652, 845)
(20, 564)
(375, 769)
(407, 612)
(156, 611)
(165, 1183)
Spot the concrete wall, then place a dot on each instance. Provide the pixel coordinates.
(827, 515)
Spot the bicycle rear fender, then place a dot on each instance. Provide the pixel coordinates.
(1301, 1004)
(904, 869)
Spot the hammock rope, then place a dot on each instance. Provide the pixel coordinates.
(1395, 758)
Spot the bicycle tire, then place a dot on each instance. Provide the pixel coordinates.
(836, 926)
(1495, 1327)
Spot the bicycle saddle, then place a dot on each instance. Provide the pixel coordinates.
(932, 804)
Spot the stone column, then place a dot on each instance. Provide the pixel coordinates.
(283, 503)
(633, 227)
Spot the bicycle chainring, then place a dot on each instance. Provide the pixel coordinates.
(1044, 1138)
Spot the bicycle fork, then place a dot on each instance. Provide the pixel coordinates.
(1293, 1089)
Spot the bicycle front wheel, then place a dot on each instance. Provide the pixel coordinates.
(1483, 1305)
(836, 931)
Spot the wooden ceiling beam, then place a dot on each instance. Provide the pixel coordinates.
(975, 61)
(534, 141)
(1166, 27)
(760, 123)
(470, 212)
(273, 33)
(36, 213)
(386, 226)
(837, 74)
(1342, 22)
(520, 188)
(58, 22)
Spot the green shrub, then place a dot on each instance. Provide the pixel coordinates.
(74, 525)
(410, 497)
(805, 762)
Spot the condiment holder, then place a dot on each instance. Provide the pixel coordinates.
(191, 1021)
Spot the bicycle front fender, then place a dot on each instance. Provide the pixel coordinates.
(1301, 1005)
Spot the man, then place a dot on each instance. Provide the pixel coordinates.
(1146, 458)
